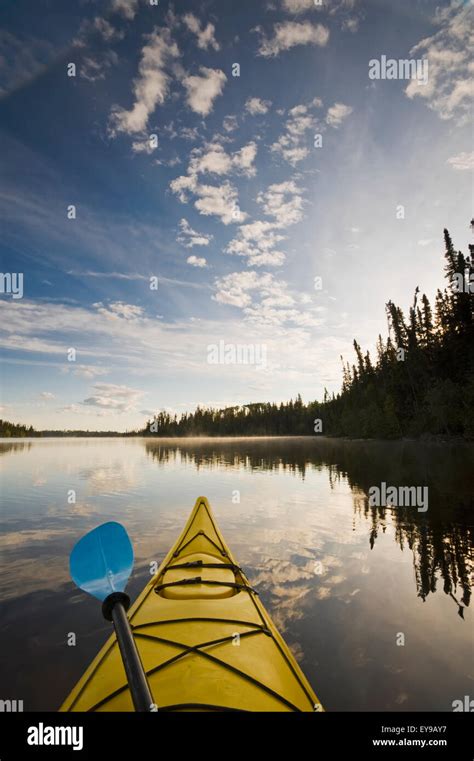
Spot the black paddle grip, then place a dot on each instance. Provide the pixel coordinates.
(113, 599)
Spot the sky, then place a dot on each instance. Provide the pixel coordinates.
(183, 178)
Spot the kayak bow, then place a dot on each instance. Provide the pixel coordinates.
(205, 640)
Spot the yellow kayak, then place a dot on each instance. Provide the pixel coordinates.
(205, 640)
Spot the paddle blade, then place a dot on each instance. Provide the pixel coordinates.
(102, 561)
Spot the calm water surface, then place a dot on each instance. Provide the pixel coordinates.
(342, 581)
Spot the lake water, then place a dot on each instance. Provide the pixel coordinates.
(345, 583)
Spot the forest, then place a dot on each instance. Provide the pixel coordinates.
(13, 430)
(421, 381)
(9, 430)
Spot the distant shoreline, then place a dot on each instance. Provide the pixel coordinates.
(423, 439)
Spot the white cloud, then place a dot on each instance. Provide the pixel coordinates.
(299, 6)
(210, 200)
(243, 159)
(258, 251)
(47, 395)
(85, 371)
(212, 159)
(236, 288)
(272, 258)
(75, 408)
(94, 28)
(205, 37)
(119, 310)
(289, 34)
(183, 185)
(220, 201)
(190, 238)
(425, 241)
(150, 88)
(230, 123)
(22, 59)
(112, 275)
(291, 154)
(302, 6)
(449, 90)
(113, 397)
(266, 300)
(108, 32)
(257, 106)
(350, 25)
(463, 161)
(266, 313)
(257, 240)
(221, 138)
(140, 346)
(145, 145)
(94, 69)
(291, 144)
(189, 133)
(337, 113)
(126, 8)
(204, 89)
(284, 202)
(196, 261)
(299, 120)
(173, 161)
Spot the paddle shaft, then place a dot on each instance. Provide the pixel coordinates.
(138, 683)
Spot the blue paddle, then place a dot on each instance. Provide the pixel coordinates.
(101, 563)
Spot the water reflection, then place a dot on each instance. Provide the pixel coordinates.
(14, 446)
(340, 578)
(441, 540)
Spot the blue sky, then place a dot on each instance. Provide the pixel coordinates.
(218, 186)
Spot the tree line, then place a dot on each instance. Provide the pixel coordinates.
(421, 380)
(16, 430)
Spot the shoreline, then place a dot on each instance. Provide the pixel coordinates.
(423, 439)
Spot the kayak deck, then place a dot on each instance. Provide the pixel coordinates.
(205, 640)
